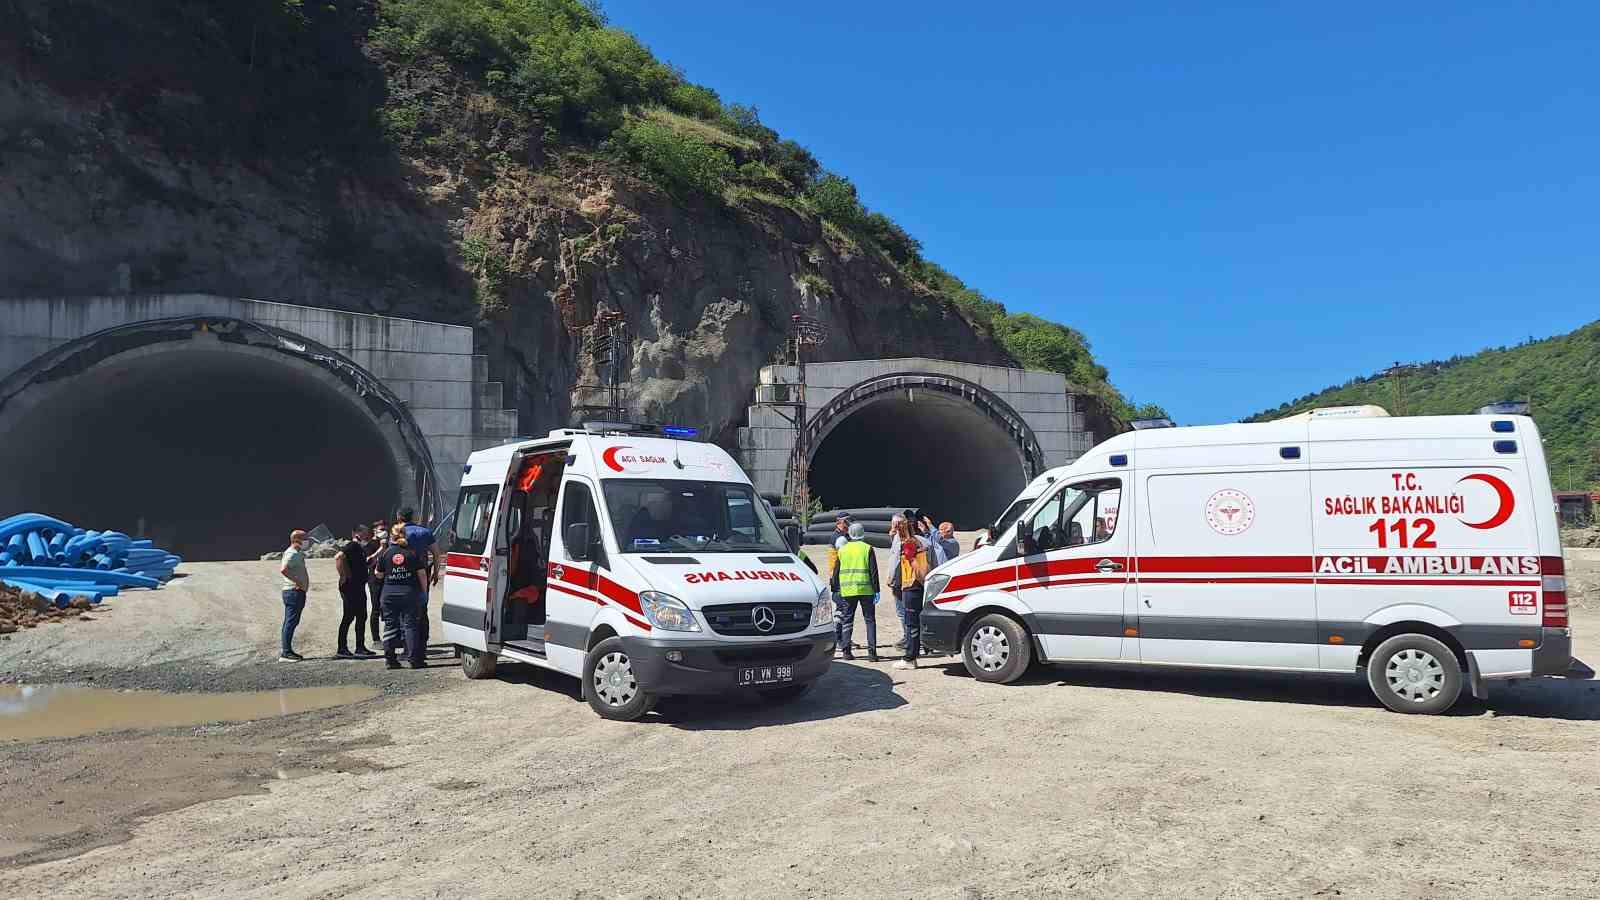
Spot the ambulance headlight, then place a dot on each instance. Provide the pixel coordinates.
(822, 610)
(933, 587)
(667, 612)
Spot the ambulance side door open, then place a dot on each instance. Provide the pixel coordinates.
(1074, 573)
(469, 586)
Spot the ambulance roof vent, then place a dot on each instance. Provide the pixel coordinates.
(1505, 408)
(1147, 424)
(1364, 411)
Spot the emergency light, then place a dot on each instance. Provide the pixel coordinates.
(1144, 424)
(677, 431)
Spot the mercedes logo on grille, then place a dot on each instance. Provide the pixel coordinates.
(763, 617)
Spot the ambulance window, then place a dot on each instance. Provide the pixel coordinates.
(576, 507)
(474, 513)
(1077, 515)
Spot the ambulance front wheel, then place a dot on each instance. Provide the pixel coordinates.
(1414, 673)
(996, 648)
(476, 664)
(610, 684)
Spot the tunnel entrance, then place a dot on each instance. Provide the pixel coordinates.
(934, 449)
(214, 450)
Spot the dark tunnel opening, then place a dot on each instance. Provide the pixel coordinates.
(213, 452)
(935, 452)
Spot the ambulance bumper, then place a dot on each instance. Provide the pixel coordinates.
(712, 667)
(939, 631)
(1553, 656)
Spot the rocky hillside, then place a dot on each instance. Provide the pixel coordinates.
(515, 166)
(1560, 376)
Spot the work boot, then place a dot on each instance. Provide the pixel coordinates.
(848, 655)
(343, 653)
(365, 652)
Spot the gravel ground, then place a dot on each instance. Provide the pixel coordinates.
(1077, 781)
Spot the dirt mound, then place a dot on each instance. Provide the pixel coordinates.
(1581, 537)
(25, 609)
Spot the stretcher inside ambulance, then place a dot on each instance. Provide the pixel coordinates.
(642, 563)
(1420, 552)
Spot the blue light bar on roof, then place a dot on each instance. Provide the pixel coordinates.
(679, 430)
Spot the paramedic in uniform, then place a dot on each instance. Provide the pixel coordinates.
(855, 579)
(405, 577)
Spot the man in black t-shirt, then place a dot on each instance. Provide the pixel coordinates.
(351, 561)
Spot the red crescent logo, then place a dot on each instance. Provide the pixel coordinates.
(1508, 501)
(610, 457)
(398, 559)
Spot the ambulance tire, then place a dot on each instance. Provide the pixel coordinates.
(1415, 673)
(477, 665)
(786, 693)
(997, 649)
(609, 652)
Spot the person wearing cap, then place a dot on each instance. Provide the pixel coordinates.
(855, 580)
(296, 584)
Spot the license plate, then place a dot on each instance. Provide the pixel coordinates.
(759, 675)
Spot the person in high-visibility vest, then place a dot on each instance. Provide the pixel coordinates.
(855, 579)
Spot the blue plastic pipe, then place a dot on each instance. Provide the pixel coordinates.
(83, 576)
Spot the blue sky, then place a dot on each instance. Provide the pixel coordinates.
(1237, 203)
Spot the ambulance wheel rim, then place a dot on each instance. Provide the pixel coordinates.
(990, 648)
(1415, 675)
(613, 679)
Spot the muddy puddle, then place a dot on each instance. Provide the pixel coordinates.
(30, 712)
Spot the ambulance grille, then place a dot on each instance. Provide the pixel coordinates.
(738, 619)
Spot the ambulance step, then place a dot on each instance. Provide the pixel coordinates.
(531, 645)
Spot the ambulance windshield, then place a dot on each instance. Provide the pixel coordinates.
(703, 516)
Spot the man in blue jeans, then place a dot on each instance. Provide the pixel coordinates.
(296, 584)
(421, 540)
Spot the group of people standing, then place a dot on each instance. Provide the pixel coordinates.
(390, 567)
(916, 548)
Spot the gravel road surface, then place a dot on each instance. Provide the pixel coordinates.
(1079, 781)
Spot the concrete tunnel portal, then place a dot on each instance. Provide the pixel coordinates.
(946, 446)
(213, 446)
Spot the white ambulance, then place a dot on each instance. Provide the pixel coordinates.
(1422, 551)
(635, 559)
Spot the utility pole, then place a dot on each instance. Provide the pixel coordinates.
(788, 400)
(607, 349)
(1396, 375)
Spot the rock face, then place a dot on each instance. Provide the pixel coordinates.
(526, 242)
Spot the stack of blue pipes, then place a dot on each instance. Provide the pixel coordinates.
(60, 561)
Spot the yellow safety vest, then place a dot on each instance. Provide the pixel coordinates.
(855, 578)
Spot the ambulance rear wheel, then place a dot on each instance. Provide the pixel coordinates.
(610, 685)
(475, 664)
(1414, 673)
(996, 649)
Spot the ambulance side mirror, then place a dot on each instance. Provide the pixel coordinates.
(1024, 542)
(580, 546)
(791, 536)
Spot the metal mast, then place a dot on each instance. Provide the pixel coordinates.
(607, 350)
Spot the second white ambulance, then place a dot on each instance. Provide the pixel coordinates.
(1420, 551)
(642, 563)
